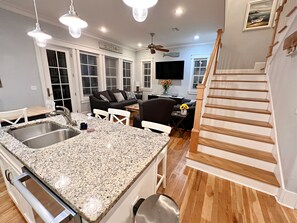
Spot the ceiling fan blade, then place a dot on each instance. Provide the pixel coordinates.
(153, 51)
(158, 46)
(163, 50)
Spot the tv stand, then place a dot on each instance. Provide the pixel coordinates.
(176, 98)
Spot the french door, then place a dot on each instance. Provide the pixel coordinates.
(59, 79)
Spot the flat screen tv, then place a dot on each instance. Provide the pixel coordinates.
(170, 70)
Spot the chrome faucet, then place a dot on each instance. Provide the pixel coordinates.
(65, 112)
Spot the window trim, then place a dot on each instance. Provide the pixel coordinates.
(142, 74)
(193, 58)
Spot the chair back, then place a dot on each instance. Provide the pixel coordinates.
(164, 129)
(8, 116)
(101, 114)
(119, 116)
(156, 110)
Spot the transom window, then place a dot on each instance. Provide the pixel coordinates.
(127, 76)
(147, 74)
(198, 71)
(89, 73)
(111, 73)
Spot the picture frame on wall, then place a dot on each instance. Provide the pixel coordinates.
(259, 14)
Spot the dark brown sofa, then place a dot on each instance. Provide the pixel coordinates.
(97, 102)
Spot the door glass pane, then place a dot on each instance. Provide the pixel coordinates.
(67, 104)
(83, 58)
(62, 59)
(66, 91)
(57, 92)
(84, 70)
(54, 74)
(64, 76)
(51, 58)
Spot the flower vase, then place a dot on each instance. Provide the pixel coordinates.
(183, 112)
(165, 92)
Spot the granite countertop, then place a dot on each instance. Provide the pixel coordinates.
(91, 171)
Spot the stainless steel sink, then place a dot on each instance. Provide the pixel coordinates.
(42, 134)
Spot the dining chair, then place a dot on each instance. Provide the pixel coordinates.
(14, 116)
(101, 114)
(162, 157)
(119, 116)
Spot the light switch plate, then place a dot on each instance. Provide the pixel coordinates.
(33, 88)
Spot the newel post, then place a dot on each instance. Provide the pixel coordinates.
(196, 128)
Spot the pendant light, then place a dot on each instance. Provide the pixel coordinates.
(39, 36)
(72, 20)
(140, 8)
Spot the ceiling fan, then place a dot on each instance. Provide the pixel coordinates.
(154, 47)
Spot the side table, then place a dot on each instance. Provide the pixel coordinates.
(138, 94)
(177, 119)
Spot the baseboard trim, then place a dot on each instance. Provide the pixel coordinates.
(287, 198)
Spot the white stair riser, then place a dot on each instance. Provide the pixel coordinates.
(238, 103)
(237, 141)
(238, 114)
(237, 158)
(240, 77)
(236, 126)
(257, 185)
(244, 94)
(240, 85)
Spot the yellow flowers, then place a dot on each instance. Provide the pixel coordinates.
(183, 106)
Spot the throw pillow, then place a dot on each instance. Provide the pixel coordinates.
(130, 95)
(104, 98)
(119, 97)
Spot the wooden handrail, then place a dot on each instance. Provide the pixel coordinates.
(213, 55)
(200, 92)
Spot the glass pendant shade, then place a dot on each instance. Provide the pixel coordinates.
(140, 3)
(75, 32)
(140, 14)
(39, 36)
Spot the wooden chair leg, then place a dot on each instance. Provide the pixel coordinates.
(164, 165)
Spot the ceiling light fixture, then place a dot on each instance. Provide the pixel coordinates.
(139, 44)
(140, 8)
(72, 20)
(37, 33)
(196, 37)
(179, 11)
(103, 29)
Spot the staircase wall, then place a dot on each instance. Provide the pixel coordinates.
(282, 75)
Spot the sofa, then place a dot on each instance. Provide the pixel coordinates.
(109, 101)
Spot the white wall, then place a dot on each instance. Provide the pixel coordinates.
(18, 62)
(283, 81)
(241, 49)
(179, 87)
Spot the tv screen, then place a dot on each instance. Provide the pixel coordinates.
(170, 70)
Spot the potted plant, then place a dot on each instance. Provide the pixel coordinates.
(183, 109)
(166, 84)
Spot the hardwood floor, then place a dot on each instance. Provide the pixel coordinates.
(201, 197)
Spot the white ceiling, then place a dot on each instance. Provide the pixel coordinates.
(202, 17)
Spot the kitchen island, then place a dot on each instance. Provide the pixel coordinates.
(99, 174)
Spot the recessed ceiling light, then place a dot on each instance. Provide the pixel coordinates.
(179, 11)
(139, 44)
(103, 29)
(196, 37)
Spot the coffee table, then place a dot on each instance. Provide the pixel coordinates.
(132, 108)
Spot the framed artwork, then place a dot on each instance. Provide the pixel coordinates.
(259, 14)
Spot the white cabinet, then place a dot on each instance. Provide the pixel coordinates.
(11, 167)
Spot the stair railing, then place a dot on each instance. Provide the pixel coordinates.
(202, 91)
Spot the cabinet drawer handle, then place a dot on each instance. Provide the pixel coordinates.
(8, 176)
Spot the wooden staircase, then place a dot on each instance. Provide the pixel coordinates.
(235, 132)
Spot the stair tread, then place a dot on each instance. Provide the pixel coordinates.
(241, 150)
(226, 107)
(234, 167)
(240, 73)
(256, 81)
(238, 89)
(238, 98)
(235, 133)
(237, 120)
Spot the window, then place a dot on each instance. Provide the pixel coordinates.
(111, 73)
(127, 76)
(89, 73)
(198, 71)
(147, 74)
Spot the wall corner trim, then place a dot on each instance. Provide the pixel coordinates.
(287, 198)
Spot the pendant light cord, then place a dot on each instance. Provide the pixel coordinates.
(36, 11)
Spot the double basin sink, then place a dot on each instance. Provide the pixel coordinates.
(43, 134)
